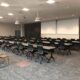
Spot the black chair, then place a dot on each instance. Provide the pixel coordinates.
(20, 48)
(7, 46)
(14, 48)
(68, 48)
(29, 51)
(40, 54)
(3, 46)
(1, 43)
(63, 48)
(56, 44)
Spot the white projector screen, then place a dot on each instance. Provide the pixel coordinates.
(69, 26)
(48, 27)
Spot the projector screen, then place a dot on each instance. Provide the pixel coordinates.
(69, 26)
(48, 27)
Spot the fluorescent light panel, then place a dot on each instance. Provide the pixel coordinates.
(1, 17)
(25, 9)
(5, 4)
(10, 14)
(50, 1)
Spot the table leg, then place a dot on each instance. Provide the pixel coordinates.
(51, 57)
(8, 60)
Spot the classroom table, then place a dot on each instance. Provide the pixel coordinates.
(25, 44)
(67, 44)
(50, 48)
(46, 42)
(12, 42)
(47, 48)
(77, 42)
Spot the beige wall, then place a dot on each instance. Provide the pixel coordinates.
(7, 29)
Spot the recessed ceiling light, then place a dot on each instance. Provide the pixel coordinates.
(1, 17)
(50, 1)
(4, 4)
(10, 14)
(25, 9)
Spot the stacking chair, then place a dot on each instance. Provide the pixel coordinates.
(1, 43)
(14, 48)
(67, 49)
(61, 47)
(40, 54)
(29, 51)
(64, 49)
(7, 46)
(3, 46)
(20, 48)
(56, 44)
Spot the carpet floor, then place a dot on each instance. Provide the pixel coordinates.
(21, 68)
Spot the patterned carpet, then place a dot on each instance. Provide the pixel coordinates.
(21, 68)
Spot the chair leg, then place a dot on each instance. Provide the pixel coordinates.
(27, 54)
(51, 57)
(36, 57)
(68, 52)
(41, 59)
(31, 55)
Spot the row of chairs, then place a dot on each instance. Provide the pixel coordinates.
(18, 47)
(32, 53)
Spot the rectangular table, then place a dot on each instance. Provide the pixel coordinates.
(49, 48)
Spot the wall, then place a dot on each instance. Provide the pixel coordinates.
(68, 28)
(7, 29)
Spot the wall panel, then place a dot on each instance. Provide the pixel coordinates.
(32, 30)
(7, 29)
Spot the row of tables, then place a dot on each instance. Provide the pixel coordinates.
(46, 42)
(48, 48)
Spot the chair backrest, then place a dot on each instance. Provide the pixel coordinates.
(40, 49)
(20, 46)
(30, 47)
